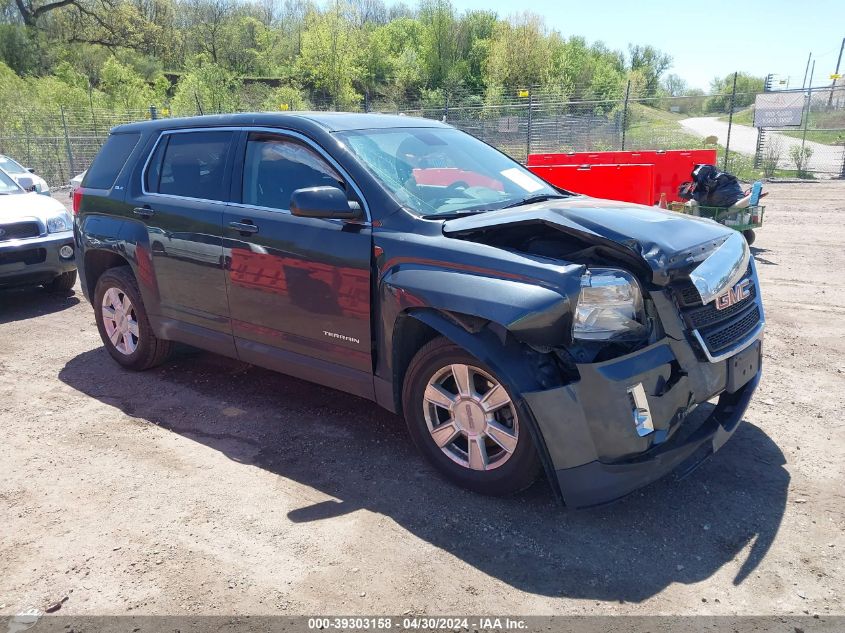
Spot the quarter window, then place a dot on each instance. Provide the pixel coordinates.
(193, 165)
(275, 167)
(109, 161)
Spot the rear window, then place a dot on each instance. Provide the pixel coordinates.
(108, 163)
(190, 164)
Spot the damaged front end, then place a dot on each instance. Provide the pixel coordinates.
(664, 341)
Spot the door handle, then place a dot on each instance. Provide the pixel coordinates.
(244, 227)
(144, 212)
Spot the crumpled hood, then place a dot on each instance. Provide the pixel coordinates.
(23, 206)
(665, 240)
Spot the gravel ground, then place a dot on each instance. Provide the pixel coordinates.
(208, 486)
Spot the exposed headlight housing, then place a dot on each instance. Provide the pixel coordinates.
(59, 223)
(610, 306)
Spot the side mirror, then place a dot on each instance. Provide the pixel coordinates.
(31, 170)
(323, 202)
(27, 184)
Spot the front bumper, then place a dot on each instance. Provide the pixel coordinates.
(589, 427)
(35, 260)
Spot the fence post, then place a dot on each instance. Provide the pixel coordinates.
(842, 171)
(530, 108)
(761, 135)
(67, 143)
(625, 113)
(153, 113)
(28, 151)
(730, 125)
(807, 121)
(366, 101)
(446, 108)
(758, 149)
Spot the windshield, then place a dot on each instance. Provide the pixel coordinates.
(443, 171)
(11, 166)
(7, 185)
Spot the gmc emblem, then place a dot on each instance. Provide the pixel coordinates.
(736, 294)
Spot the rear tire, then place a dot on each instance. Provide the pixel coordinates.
(62, 283)
(749, 236)
(476, 435)
(123, 324)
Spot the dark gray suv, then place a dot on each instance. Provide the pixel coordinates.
(518, 328)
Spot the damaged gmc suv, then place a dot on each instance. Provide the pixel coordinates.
(518, 328)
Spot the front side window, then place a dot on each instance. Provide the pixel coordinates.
(11, 166)
(438, 171)
(275, 167)
(7, 185)
(192, 165)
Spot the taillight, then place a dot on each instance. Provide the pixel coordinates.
(77, 200)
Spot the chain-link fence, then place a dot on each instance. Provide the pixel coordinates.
(61, 143)
(815, 147)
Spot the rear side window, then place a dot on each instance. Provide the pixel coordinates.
(190, 164)
(108, 163)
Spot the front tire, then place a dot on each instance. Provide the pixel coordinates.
(749, 236)
(467, 422)
(62, 283)
(123, 324)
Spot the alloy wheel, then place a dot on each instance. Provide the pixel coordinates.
(120, 321)
(471, 417)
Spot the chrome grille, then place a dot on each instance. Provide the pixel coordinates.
(720, 338)
(704, 316)
(719, 330)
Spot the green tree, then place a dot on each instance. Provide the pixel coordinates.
(520, 53)
(439, 42)
(206, 88)
(651, 64)
(747, 87)
(125, 88)
(286, 98)
(329, 59)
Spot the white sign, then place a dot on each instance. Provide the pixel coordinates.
(778, 109)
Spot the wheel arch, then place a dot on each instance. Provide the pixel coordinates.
(520, 366)
(98, 261)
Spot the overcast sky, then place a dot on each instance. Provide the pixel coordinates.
(706, 38)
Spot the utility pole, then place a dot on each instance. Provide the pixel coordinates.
(833, 83)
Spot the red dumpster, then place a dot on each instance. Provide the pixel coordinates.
(630, 183)
(671, 167)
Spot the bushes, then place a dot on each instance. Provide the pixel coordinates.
(800, 156)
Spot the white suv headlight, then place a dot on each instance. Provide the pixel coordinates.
(610, 306)
(59, 223)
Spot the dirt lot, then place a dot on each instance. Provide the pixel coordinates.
(210, 486)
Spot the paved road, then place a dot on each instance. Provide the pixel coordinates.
(825, 158)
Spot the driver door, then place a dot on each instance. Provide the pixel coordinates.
(299, 288)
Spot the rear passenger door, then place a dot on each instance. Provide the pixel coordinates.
(184, 193)
(299, 288)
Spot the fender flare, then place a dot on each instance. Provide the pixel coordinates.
(125, 239)
(536, 314)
